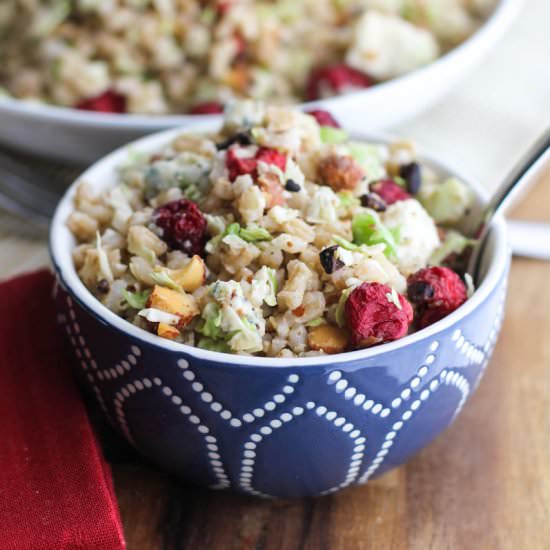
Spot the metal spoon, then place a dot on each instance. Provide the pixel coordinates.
(517, 181)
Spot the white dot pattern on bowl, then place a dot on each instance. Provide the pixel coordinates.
(411, 400)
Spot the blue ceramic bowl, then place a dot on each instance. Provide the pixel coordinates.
(276, 427)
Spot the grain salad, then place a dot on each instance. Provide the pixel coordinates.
(178, 56)
(277, 236)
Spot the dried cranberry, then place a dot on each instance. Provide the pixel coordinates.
(271, 156)
(223, 7)
(412, 174)
(436, 292)
(183, 226)
(206, 108)
(238, 166)
(335, 79)
(324, 118)
(389, 191)
(241, 44)
(107, 102)
(373, 316)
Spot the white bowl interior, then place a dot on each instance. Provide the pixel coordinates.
(103, 175)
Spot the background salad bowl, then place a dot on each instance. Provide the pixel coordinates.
(81, 136)
(272, 426)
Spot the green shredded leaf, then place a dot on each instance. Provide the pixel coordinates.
(347, 200)
(368, 229)
(447, 202)
(333, 136)
(254, 233)
(344, 243)
(232, 229)
(207, 16)
(400, 181)
(163, 279)
(454, 243)
(137, 300)
(470, 287)
(316, 322)
(340, 313)
(192, 192)
(210, 325)
(250, 233)
(214, 345)
(370, 159)
(273, 279)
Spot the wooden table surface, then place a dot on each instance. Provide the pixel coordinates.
(484, 484)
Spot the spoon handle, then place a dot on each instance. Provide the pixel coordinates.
(530, 239)
(517, 181)
(520, 176)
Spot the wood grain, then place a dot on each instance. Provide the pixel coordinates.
(484, 484)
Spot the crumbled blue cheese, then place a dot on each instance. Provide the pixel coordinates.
(240, 115)
(238, 318)
(282, 214)
(264, 287)
(185, 170)
(418, 234)
(446, 202)
(385, 46)
(345, 256)
(323, 206)
(119, 199)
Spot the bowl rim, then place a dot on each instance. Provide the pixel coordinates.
(61, 257)
(499, 18)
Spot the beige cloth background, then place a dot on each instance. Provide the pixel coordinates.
(481, 128)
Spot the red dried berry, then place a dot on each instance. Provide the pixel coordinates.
(335, 79)
(373, 317)
(223, 7)
(238, 166)
(183, 226)
(389, 191)
(271, 156)
(107, 102)
(241, 44)
(324, 118)
(206, 108)
(436, 292)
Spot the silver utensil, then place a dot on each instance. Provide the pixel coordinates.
(516, 183)
(530, 239)
(30, 190)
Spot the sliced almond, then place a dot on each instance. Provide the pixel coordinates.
(178, 303)
(167, 331)
(328, 338)
(192, 276)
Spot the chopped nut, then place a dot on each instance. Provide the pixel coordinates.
(177, 303)
(271, 185)
(192, 276)
(328, 338)
(340, 172)
(167, 331)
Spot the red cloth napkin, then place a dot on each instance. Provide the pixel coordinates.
(56, 490)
